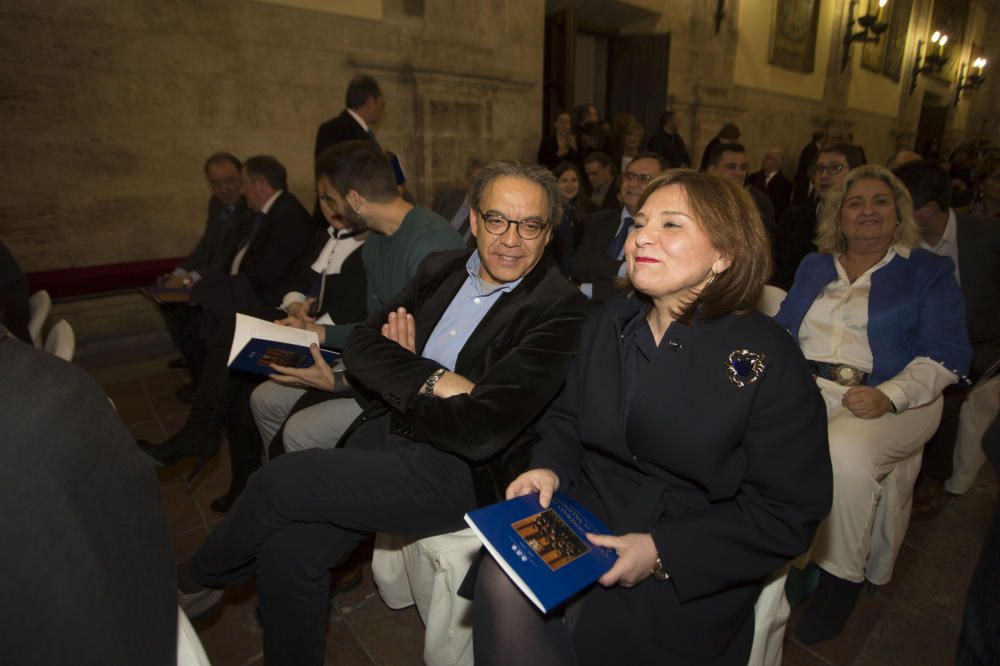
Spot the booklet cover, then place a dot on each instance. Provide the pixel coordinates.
(544, 551)
(258, 343)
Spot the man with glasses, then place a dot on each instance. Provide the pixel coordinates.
(729, 160)
(596, 262)
(458, 367)
(797, 226)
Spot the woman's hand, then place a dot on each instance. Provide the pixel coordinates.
(865, 402)
(318, 375)
(542, 481)
(636, 557)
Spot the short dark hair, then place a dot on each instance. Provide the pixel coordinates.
(358, 166)
(600, 158)
(729, 131)
(818, 135)
(650, 155)
(360, 89)
(927, 181)
(665, 117)
(472, 164)
(559, 112)
(268, 168)
(216, 158)
(731, 220)
(850, 152)
(529, 172)
(715, 156)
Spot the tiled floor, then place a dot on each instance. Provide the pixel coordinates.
(913, 620)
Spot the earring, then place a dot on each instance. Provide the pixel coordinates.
(898, 221)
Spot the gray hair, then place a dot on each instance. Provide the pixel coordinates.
(530, 172)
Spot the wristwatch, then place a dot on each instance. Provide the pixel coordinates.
(431, 382)
(657, 571)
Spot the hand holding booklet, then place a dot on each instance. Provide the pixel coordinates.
(258, 343)
(544, 551)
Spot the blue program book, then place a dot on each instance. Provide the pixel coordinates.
(258, 343)
(544, 551)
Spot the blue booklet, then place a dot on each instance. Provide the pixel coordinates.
(258, 343)
(258, 355)
(544, 551)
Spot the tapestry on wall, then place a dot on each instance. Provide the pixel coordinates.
(895, 38)
(793, 35)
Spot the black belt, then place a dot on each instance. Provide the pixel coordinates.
(845, 375)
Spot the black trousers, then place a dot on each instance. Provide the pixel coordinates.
(940, 449)
(303, 513)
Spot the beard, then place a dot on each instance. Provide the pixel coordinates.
(354, 221)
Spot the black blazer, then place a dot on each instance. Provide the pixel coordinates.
(14, 300)
(517, 357)
(273, 260)
(793, 241)
(337, 130)
(221, 239)
(779, 190)
(590, 262)
(730, 481)
(979, 274)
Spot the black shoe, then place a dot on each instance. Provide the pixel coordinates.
(191, 441)
(186, 393)
(828, 610)
(196, 601)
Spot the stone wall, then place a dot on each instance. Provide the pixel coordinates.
(109, 107)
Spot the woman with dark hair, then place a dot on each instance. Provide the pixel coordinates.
(689, 423)
(561, 144)
(882, 323)
(566, 237)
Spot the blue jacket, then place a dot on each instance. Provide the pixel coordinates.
(915, 308)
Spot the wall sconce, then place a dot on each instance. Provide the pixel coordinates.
(871, 28)
(973, 81)
(933, 61)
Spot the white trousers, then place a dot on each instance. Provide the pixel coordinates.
(863, 452)
(316, 427)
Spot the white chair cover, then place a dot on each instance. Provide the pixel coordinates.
(39, 306)
(61, 341)
(189, 649)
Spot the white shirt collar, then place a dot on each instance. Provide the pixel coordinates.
(951, 229)
(270, 202)
(359, 119)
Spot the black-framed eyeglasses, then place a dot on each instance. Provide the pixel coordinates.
(641, 177)
(529, 228)
(833, 168)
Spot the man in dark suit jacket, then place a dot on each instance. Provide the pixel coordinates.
(797, 226)
(973, 243)
(598, 258)
(729, 160)
(771, 181)
(363, 107)
(88, 573)
(668, 144)
(729, 133)
(601, 176)
(455, 388)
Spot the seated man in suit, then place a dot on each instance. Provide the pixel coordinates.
(268, 264)
(601, 174)
(357, 186)
(973, 244)
(797, 226)
(452, 203)
(771, 181)
(600, 254)
(226, 227)
(729, 160)
(459, 366)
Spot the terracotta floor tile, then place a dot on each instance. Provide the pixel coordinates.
(343, 648)
(795, 655)
(228, 641)
(185, 544)
(904, 561)
(390, 637)
(165, 382)
(182, 514)
(904, 637)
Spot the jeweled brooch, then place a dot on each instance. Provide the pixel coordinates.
(745, 367)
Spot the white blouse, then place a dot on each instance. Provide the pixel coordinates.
(835, 330)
